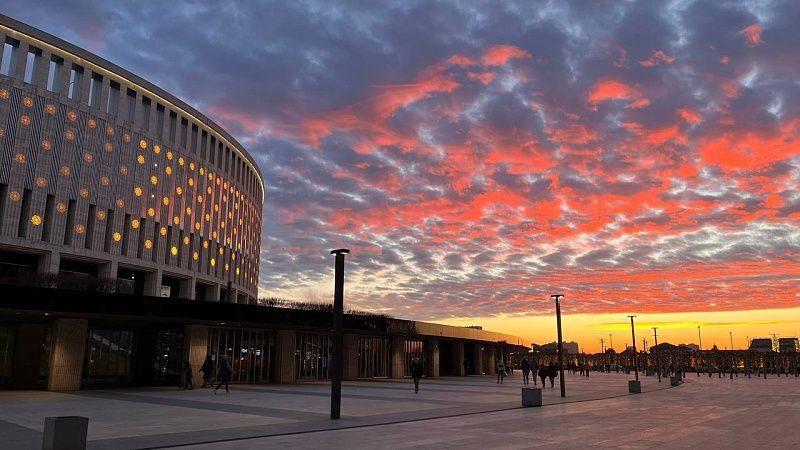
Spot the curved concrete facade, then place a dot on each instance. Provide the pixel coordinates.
(104, 173)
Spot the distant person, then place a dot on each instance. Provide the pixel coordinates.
(224, 374)
(526, 370)
(551, 373)
(416, 373)
(187, 376)
(500, 367)
(466, 367)
(543, 374)
(534, 369)
(207, 369)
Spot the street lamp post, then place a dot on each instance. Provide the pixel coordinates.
(556, 297)
(699, 351)
(603, 352)
(658, 363)
(338, 333)
(633, 339)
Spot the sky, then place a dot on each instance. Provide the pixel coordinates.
(476, 157)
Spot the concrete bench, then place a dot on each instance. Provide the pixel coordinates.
(531, 397)
(65, 433)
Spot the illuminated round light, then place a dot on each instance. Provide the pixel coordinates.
(221, 251)
(202, 171)
(92, 123)
(199, 199)
(20, 158)
(123, 170)
(108, 147)
(225, 186)
(25, 120)
(104, 181)
(226, 267)
(135, 224)
(140, 159)
(191, 166)
(62, 208)
(230, 215)
(216, 208)
(153, 179)
(205, 244)
(70, 135)
(188, 211)
(120, 203)
(27, 102)
(240, 222)
(101, 215)
(181, 161)
(36, 219)
(110, 131)
(137, 191)
(176, 220)
(191, 182)
(208, 189)
(116, 236)
(2, 132)
(80, 229)
(156, 149)
(168, 170)
(51, 109)
(3, 94)
(169, 155)
(208, 217)
(72, 116)
(126, 138)
(218, 181)
(165, 201)
(210, 176)
(151, 212)
(195, 256)
(46, 144)
(214, 234)
(222, 225)
(179, 190)
(213, 262)
(174, 251)
(233, 254)
(41, 182)
(197, 226)
(237, 271)
(88, 157)
(163, 231)
(84, 192)
(148, 244)
(186, 240)
(65, 170)
(142, 144)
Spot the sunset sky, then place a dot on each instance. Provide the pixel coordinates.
(639, 157)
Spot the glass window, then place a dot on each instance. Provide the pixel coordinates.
(249, 352)
(313, 356)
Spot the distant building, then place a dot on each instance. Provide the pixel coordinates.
(692, 347)
(764, 345)
(788, 345)
(570, 348)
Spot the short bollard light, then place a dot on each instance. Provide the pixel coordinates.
(65, 433)
(531, 397)
(634, 387)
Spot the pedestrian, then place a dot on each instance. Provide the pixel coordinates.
(187, 373)
(551, 373)
(543, 373)
(207, 369)
(223, 374)
(416, 373)
(466, 367)
(534, 370)
(501, 371)
(526, 370)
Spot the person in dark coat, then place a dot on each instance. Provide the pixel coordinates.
(526, 370)
(543, 373)
(207, 369)
(551, 373)
(224, 374)
(416, 373)
(534, 369)
(187, 374)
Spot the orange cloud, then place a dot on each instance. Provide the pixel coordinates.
(689, 115)
(483, 77)
(752, 35)
(606, 90)
(502, 54)
(638, 104)
(657, 57)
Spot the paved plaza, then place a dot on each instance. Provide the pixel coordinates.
(449, 412)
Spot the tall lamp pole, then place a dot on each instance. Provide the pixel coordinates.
(560, 345)
(635, 361)
(699, 351)
(658, 362)
(338, 333)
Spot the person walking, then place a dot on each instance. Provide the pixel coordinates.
(416, 373)
(500, 367)
(466, 367)
(223, 374)
(187, 374)
(526, 370)
(551, 373)
(207, 369)
(543, 373)
(534, 369)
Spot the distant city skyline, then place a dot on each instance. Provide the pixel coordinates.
(641, 158)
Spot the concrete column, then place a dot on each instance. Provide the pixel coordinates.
(213, 292)
(108, 276)
(492, 363)
(195, 345)
(42, 69)
(187, 288)
(458, 359)
(432, 358)
(284, 356)
(152, 283)
(25, 364)
(18, 62)
(67, 354)
(398, 357)
(478, 359)
(48, 268)
(350, 353)
(63, 82)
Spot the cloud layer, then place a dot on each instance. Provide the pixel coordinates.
(477, 157)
